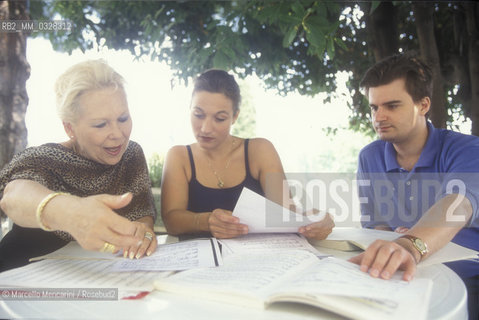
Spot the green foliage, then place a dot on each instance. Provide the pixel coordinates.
(246, 36)
(292, 45)
(155, 168)
(326, 156)
(245, 126)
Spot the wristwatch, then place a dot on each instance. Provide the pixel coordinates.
(420, 245)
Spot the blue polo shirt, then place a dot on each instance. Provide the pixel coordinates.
(393, 196)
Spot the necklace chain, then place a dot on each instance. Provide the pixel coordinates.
(221, 183)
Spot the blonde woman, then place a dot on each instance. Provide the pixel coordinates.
(93, 188)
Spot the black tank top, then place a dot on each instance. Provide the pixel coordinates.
(205, 199)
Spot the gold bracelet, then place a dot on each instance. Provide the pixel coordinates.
(42, 205)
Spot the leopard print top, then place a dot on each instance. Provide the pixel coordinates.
(60, 169)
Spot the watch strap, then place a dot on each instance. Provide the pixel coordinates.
(415, 240)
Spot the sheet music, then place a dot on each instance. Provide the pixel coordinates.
(262, 241)
(167, 257)
(334, 277)
(55, 273)
(202, 253)
(249, 272)
(90, 272)
(265, 216)
(259, 277)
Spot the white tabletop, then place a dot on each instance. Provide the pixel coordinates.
(448, 301)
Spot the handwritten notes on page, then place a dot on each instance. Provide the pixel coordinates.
(202, 253)
(265, 216)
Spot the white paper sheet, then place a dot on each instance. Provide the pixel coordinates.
(201, 253)
(74, 267)
(264, 216)
(253, 278)
(262, 241)
(184, 255)
(74, 251)
(56, 273)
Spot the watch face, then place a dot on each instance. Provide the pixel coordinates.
(420, 245)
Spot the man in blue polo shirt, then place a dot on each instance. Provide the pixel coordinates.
(422, 182)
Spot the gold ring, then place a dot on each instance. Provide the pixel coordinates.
(108, 247)
(149, 235)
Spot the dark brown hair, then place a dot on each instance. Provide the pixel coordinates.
(219, 81)
(416, 73)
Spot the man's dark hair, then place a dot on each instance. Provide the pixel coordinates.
(219, 81)
(416, 73)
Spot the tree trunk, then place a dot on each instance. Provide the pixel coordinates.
(471, 9)
(423, 13)
(383, 33)
(14, 72)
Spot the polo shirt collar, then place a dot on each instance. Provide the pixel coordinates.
(430, 150)
(390, 158)
(428, 154)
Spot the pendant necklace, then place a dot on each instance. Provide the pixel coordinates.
(220, 183)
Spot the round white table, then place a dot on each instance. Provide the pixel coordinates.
(448, 301)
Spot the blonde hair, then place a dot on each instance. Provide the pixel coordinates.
(82, 77)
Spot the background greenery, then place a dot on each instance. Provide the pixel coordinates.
(293, 46)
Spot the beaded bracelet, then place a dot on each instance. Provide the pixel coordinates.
(42, 205)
